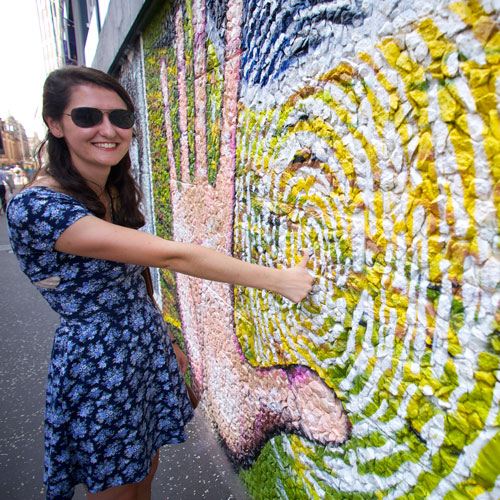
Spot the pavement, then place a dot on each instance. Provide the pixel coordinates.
(196, 469)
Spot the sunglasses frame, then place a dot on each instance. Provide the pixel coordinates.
(112, 113)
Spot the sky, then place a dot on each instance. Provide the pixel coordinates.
(21, 61)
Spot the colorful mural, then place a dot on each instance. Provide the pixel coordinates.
(368, 133)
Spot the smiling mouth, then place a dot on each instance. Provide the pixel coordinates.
(106, 145)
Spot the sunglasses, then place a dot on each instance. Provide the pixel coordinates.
(90, 117)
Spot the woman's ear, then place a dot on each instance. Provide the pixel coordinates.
(54, 127)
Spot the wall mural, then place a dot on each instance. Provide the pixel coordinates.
(369, 133)
(132, 78)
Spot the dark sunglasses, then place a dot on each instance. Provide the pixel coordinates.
(90, 117)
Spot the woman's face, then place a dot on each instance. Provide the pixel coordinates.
(95, 148)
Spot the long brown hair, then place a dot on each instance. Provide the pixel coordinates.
(56, 95)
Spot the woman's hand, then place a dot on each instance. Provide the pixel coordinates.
(182, 359)
(297, 282)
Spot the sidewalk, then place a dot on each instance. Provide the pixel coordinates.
(197, 469)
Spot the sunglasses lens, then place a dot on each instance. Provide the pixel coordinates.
(86, 117)
(90, 117)
(122, 118)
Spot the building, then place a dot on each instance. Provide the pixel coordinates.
(70, 30)
(62, 45)
(14, 143)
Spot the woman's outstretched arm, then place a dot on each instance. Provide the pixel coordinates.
(96, 238)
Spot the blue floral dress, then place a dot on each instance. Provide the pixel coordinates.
(114, 391)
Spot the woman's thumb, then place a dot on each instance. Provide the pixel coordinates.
(305, 257)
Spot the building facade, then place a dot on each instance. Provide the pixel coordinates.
(64, 30)
(14, 143)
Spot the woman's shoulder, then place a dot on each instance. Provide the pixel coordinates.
(43, 187)
(43, 197)
(45, 181)
(40, 212)
(35, 195)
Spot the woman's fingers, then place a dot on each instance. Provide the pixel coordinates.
(182, 359)
(299, 282)
(305, 257)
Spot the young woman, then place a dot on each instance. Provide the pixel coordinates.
(115, 393)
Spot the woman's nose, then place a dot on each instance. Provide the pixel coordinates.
(106, 127)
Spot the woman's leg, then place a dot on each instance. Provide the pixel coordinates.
(123, 492)
(136, 491)
(144, 487)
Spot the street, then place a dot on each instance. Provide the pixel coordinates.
(195, 469)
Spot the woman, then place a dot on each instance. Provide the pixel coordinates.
(115, 393)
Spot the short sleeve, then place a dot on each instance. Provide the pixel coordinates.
(38, 216)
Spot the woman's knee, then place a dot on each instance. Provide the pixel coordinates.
(154, 465)
(122, 492)
(134, 491)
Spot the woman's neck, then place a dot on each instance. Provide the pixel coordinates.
(97, 180)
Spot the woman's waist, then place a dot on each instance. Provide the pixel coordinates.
(135, 310)
(86, 304)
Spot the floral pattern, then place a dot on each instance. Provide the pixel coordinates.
(114, 392)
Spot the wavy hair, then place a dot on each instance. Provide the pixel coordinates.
(121, 185)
